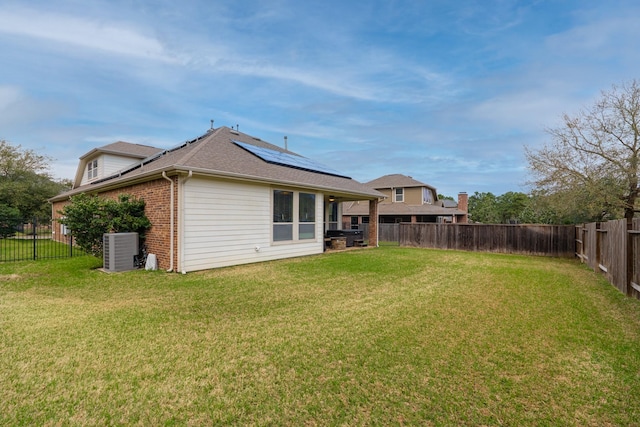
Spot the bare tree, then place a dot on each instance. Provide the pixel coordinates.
(594, 156)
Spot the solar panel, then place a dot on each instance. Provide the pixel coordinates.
(289, 160)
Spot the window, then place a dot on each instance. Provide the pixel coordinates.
(282, 215)
(427, 196)
(294, 216)
(332, 223)
(399, 195)
(92, 169)
(354, 222)
(306, 216)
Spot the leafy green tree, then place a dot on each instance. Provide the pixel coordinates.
(25, 183)
(568, 207)
(509, 208)
(483, 207)
(593, 159)
(89, 217)
(10, 218)
(511, 205)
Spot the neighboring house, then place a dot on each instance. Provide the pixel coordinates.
(222, 199)
(407, 200)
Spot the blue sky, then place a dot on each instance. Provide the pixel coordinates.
(448, 92)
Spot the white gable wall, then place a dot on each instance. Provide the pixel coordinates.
(226, 223)
(108, 164)
(113, 164)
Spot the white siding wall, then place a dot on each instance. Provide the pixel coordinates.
(112, 164)
(224, 222)
(107, 165)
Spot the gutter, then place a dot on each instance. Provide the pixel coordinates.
(144, 176)
(181, 223)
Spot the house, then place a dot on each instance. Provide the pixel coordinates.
(407, 200)
(221, 199)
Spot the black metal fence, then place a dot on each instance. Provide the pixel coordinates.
(32, 240)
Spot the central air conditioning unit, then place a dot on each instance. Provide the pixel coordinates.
(119, 250)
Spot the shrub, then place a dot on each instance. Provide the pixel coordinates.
(90, 217)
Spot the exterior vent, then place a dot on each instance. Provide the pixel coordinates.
(119, 250)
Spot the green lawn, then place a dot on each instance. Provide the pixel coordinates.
(387, 336)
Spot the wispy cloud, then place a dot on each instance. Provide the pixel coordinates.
(81, 32)
(445, 92)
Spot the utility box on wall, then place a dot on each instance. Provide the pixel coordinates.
(119, 250)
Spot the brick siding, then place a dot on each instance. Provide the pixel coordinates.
(157, 197)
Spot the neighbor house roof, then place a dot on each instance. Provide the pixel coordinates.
(362, 208)
(216, 154)
(396, 181)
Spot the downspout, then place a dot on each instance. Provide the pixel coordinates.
(171, 226)
(181, 232)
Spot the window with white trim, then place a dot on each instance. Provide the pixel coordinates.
(92, 169)
(294, 216)
(398, 195)
(427, 196)
(306, 216)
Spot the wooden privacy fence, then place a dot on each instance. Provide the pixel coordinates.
(386, 232)
(547, 240)
(613, 249)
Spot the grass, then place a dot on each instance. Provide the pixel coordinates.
(387, 336)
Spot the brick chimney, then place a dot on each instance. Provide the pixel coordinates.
(463, 205)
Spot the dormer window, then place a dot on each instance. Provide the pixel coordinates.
(398, 195)
(92, 169)
(427, 196)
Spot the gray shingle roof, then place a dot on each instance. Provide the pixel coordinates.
(362, 208)
(396, 181)
(215, 154)
(125, 148)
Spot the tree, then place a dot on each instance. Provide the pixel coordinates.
(89, 217)
(25, 184)
(508, 208)
(483, 207)
(511, 205)
(9, 219)
(593, 159)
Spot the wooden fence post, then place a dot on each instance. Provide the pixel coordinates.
(629, 246)
(631, 285)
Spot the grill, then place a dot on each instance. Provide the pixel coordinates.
(351, 235)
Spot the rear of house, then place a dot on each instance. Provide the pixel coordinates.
(222, 199)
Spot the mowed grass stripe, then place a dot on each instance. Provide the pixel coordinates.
(385, 336)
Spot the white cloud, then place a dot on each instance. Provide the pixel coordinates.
(8, 96)
(84, 32)
(17, 109)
